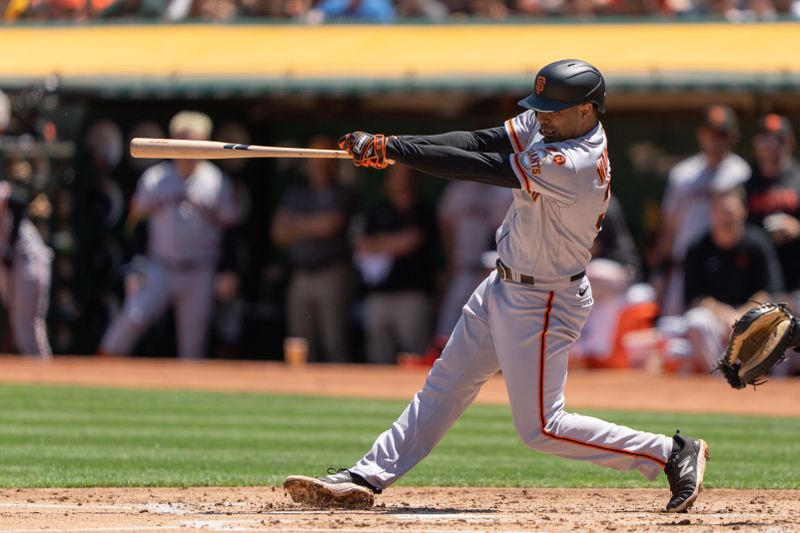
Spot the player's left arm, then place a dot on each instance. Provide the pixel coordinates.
(485, 140)
(454, 163)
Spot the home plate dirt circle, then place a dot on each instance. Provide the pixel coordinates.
(403, 509)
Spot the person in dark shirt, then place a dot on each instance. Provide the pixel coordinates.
(311, 223)
(394, 257)
(726, 272)
(773, 192)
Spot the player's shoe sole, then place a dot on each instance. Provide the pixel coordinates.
(319, 493)
(702, 457)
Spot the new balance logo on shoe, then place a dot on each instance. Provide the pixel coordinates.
(685, 466)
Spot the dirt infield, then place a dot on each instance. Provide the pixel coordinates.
(401, 509)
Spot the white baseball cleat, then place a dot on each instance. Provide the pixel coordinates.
(340, 488)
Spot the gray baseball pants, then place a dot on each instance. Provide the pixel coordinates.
(190, 291)
(526, 332)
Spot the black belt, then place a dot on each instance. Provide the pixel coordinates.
(507, 274)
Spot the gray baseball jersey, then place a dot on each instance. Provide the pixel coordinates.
(558, 210)
(186, 219)
(525, 326)
(187, 216)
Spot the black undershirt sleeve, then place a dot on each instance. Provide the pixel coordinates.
(454, 163)
(488, 140)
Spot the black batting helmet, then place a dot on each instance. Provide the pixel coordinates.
(564, 84)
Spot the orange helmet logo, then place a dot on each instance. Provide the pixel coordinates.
(540, 81)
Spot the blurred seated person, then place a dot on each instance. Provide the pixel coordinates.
(727, 271)
(188, 205)
(773, 192)
(614, 269)
(685, 207)
(395, 259)
(311, 223)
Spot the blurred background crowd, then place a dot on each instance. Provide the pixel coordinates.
(103, 254)
(388, 11)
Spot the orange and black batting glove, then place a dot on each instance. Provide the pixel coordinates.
(366, 149)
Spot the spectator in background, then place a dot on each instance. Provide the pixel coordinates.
(774, 192)
(25, 260)
(426, 9)
(469, 213)
(207, 10)
(489, 9)
(311, 223)
(578, 9)
(189, 203)
(394, 257)
(727, 270)
(25, 270)
(787, 8)
(138, 9)
(381, 11)
(530, 8)
(723, 9)
(685, 207)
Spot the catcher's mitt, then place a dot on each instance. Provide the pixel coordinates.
(759, 339)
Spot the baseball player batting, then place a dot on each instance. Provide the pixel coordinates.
(523, 318)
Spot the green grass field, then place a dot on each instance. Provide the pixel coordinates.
(72, 437)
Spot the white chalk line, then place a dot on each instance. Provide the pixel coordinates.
(155, 508)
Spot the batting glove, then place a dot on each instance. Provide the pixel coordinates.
(366, 149)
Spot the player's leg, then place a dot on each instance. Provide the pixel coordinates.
(194, 303)
(533, 331)
(378, 312)
(708, 334)
(138, 312)
(30, 297)
(413, 315)
(333, 293)
(466, 363)
(301, 314)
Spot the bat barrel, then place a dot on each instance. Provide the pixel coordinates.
(186, 149)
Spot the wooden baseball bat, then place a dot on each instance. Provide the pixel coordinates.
(183, 149)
